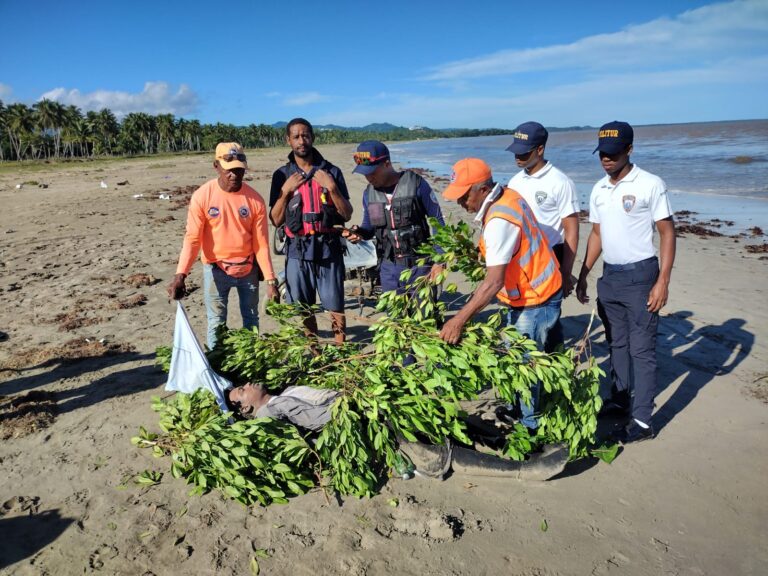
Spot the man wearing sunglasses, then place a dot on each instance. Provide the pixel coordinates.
(227, 223)
(396, 206)
(552, 197)
(625, 208)
(309, 197)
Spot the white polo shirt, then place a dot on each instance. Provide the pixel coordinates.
(627, 213)
(552, 197)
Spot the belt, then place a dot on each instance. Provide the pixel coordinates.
(630, 266)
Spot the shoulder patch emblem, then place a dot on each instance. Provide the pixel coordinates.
(540, 197)
(628, 202)
(243, 211)
(213, 212)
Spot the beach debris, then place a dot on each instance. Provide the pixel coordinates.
(19, 186)
(131, 302)
(140, 279)
(757, 248)
(76, 349)
(123, 183)
(72, 320)
(103, 184)
(697, 229)
(756, 231)
(138, 195)
(42, 185)
(26, 414)
(164, 197)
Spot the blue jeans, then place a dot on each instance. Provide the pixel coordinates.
(535, 322)
(216, 285)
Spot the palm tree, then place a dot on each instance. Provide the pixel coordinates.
(19, 125)
(69, 129)
(105, 129)
(50, 116)
(2, 130)
(165, 127)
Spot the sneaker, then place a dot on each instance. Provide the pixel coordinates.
(633, 432)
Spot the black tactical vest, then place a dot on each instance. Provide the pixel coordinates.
(400, 225)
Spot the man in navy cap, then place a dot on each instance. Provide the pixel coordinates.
(396, 205)
(625, 207)
(552, 197)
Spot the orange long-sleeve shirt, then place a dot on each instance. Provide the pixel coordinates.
(226, 226)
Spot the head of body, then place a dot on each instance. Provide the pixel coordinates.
(245, 400)
(300, 137)
(372, 161)
(530, 139)
(471, 182)
(230, 164)
(614, 143)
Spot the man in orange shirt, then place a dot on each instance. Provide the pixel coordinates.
(227, 221)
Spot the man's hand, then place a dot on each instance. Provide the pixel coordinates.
(657, 299)
(273, 294)
(292, 183)
(581, 290)
(451, 331)
(436, 270)
(569, 283)
(177, 289)
(324, 179)
(351, 235)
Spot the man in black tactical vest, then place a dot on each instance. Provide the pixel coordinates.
(396, 206)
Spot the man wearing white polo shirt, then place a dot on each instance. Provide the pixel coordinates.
(552, 197)
(625, 207)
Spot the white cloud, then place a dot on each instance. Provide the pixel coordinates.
(5, 91)
(304, 99)
(706, 33)
(156, 98)
(691, 94)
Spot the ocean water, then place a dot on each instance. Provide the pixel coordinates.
(717, 169)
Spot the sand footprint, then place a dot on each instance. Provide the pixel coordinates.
(102, 555)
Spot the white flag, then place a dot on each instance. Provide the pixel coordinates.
(189, 366)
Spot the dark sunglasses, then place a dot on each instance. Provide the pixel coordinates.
(365, 158)
(231, 157)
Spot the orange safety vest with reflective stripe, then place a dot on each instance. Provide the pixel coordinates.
(533, 275)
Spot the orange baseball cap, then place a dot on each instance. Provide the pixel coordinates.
(466, 173)
(231, 155)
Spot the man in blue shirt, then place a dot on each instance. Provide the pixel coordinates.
(396, 206)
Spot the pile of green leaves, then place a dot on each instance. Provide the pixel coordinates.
(402, 383)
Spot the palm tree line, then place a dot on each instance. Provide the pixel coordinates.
(49, 130)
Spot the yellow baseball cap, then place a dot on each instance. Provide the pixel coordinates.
(231, 155)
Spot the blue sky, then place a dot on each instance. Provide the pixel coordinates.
(439, 64)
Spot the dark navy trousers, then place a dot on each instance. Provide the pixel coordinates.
(623, 293)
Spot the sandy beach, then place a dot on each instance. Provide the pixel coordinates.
(83, 275)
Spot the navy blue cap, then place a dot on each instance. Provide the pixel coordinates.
(369, 155)
(528, 136)
(614, 137)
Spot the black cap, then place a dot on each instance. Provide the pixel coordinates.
(614, 137)
(528, 136)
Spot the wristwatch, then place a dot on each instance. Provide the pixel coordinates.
(272, 282)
